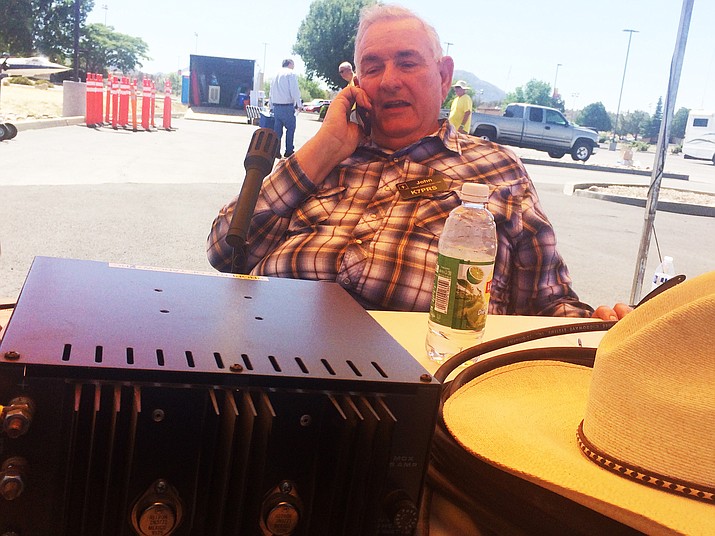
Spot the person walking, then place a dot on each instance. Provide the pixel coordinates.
(460, 114)
(284, 100)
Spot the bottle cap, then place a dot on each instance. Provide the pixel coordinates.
(475, 192)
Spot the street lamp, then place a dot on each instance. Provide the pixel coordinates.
(612, 146)
(556, 77)
(196, 36)
(105, 7)
(265, 45)
(447, 43)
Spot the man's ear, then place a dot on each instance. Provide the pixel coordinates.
(446, 70)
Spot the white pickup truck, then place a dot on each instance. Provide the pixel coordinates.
(536, 127)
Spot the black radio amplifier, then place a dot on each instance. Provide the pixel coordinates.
(137, 401)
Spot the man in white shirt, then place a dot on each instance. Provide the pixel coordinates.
(284, 99)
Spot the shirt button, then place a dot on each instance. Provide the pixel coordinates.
(358, 241)
(387, 188)
(373, 216)
(346, 281)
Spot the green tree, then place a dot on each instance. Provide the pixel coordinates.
(653, 129)
(53, 27)
(634, 123)
(16, 27)
(104, 49)
(309, 89)
(535, 92)
(326, 37)
(595, 116)
(680, 122)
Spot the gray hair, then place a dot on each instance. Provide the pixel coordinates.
(382, 12)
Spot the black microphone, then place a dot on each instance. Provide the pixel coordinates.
(261, 154)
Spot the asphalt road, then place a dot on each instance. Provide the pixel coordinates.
(149, 199)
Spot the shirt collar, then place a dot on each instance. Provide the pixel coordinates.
(446, 133)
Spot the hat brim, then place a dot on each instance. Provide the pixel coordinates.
(523, 418)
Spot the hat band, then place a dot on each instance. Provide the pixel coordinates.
(665, 483)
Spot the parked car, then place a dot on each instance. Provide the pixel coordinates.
(536, 127)
(315, 105)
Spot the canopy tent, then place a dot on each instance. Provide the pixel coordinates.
(35, 66)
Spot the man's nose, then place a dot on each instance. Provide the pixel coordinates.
(391, 77)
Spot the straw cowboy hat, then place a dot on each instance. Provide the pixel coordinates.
(633, 438)
(462, 84)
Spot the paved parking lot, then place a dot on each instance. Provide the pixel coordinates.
(149, 198)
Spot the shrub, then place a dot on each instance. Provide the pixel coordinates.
(21, 80)
(676, 149)
(641, 146)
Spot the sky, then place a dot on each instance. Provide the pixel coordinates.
(578, 45)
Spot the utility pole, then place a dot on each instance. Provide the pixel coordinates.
(76, 40)
(612, 146)
(556, 77)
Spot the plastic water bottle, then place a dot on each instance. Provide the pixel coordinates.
(663, 272)
(463, 276)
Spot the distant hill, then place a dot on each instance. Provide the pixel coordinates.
(490, 92)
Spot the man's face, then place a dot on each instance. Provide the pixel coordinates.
(406, 85)
(459, 91)
(346, 73)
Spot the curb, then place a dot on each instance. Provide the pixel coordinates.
(49, 123)
(601, 168)
(581, 189)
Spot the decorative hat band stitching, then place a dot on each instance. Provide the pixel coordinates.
(672, 485)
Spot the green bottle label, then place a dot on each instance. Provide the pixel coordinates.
(460, 296)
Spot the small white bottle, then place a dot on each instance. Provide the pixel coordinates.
(663, 272)
(463, 276)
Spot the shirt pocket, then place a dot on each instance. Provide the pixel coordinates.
(431, 212)
(317, 209)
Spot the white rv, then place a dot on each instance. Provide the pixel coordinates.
(700, 135)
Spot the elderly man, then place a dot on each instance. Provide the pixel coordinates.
(337, 210)
(346, 72)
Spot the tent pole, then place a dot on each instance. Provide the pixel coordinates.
(661, 149)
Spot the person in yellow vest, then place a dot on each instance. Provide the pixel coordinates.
(460, 115)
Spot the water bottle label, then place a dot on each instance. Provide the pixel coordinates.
(460, 296)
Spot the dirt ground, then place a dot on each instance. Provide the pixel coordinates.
(19, 102)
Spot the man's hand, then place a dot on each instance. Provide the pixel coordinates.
(616, 313)
(337, 138)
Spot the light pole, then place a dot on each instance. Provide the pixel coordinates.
(448, 44)
(556, 77)
(196, 47)
(264, 56)
(105, 7)
(612, 146)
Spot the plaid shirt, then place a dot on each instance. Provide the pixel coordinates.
(356, 229)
